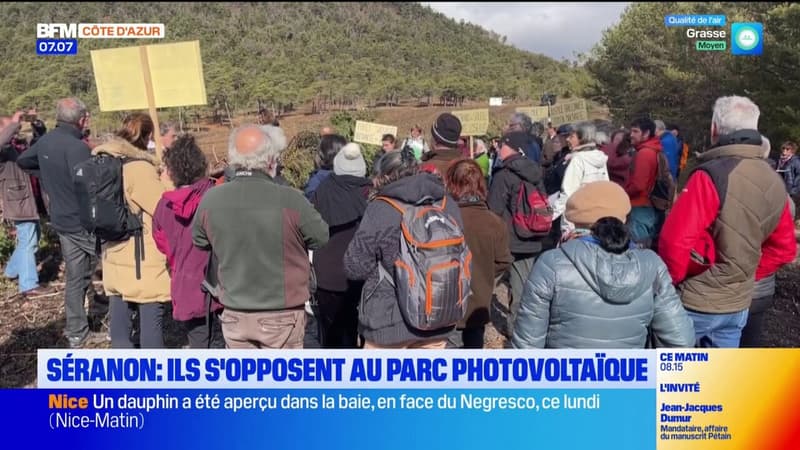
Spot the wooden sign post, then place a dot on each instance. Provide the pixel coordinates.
(151, 102)
(149, 77)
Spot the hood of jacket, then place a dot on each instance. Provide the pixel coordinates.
(742, 144)
(654, 143)
(185, 200)
(418, 189)
(341, 199)
(617, 279)
(590, 154)
(523, 167)
(121, 148)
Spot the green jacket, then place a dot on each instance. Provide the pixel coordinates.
(260, 233)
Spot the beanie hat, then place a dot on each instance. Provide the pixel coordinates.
(350, 161)
(446, 130)
(596, 200)
(517, 140)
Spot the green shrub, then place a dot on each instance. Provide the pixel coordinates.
(298, 159)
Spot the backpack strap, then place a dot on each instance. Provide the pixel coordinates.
(393, 204)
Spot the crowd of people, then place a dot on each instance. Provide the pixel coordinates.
(585, 228)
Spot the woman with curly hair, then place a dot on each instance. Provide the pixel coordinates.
(186, 166)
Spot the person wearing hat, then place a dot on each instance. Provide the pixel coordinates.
(598, 290)
(512, 169)
(445, 131)
(341, 200)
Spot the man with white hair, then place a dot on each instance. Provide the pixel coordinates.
(259, 233)
(731, 225)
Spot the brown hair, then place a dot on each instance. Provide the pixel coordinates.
(137, 129)
(465, 179)
(791, 145)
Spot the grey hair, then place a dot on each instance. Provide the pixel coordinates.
(164, 127)
(480, 146)
(70, 110)
(766, 146)
(586, 132)
(735, 113)
(265, 156)
(601, 138)
(660, 125)
(523, 120)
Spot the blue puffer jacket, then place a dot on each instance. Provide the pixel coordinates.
(580, 296)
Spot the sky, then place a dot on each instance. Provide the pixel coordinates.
(558, 30)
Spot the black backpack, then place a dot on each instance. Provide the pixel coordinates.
(101, 203)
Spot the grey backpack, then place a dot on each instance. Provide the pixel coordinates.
(432, 272)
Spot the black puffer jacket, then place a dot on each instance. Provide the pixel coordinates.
(506, 178)
(377, 241)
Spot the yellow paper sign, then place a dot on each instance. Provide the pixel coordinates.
(372, 133)
(568, 112)
(176, 71)
(474, 122)
(536, 113)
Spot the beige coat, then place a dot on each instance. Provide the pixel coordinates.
(143, 190)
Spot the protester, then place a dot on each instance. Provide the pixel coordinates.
(587, 164)
(136, 282)
(487, 239)
(512, 170)
(53, 157)
(263, 269)
(329, 146)
(417, 142)
(19, 206)
(645, 221)
(732, 224)
(552, 146)
(619, 152)
(481, 154)
(558, 166)
(789, 169)
(388, 143)
(523, 123)
(597, 290)
(186, 166)
(669, 145)
(168, 131)
(377, 241)
(341, 200)
(446, 132)
(683, 147)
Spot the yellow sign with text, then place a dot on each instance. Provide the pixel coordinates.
(568, 112)
(536, 113)
(176, 73)
(372, 133)
(474, 122)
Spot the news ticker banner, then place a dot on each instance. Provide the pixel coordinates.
(567, 399)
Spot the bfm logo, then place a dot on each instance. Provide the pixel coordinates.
(57, 30)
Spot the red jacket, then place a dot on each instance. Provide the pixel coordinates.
(685, 239)
(643, 174)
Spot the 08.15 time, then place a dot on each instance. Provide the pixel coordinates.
(56, 46)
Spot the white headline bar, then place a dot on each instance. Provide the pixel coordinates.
(347, 369)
